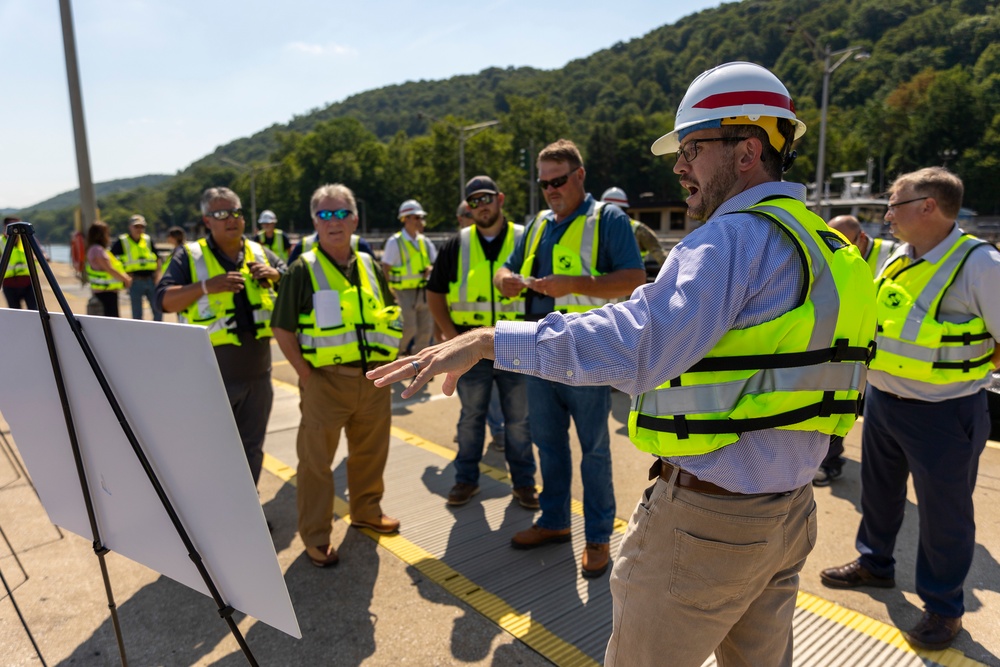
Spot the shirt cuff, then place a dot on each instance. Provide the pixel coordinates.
(514, 346)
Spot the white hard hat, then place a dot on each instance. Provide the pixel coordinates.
(736, 93)
(411, 207)
(615, 196)
(266, 216)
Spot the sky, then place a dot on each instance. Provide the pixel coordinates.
(165, 82)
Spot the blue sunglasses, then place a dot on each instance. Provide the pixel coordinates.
(339, 214)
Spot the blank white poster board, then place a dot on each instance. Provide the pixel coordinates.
(167, 382)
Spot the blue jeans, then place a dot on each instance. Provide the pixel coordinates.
(144, 287)
(552, 404)
(494, 416)
(474, 389)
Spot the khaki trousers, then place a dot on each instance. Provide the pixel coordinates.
(337, 398)
(698, 573)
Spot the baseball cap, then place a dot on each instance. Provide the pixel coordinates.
(137, 220)
(479, 184)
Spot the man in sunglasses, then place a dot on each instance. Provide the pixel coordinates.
(462, 297)
(226, 283)
(572, 259)
(335, 319)
(407, 259)
(926, 411)
(743, 356)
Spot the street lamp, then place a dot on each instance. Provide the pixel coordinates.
(463, 134)
(253, 169)
(826, 55)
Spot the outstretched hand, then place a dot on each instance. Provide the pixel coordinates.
(454, 357)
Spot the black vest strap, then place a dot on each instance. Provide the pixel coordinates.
(717, 426)
(788, 360)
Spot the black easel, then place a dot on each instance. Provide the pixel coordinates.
(24, 232)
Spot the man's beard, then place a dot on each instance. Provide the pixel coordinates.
(713, 193)
(489, 223)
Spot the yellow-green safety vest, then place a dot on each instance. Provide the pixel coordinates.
(411, 274)
(17, 265)
(137, 256)
(575, 254)
(912, 342)
(217, 312)
(102, 281)
(366, 330)
(879, 251)
(472, 298)
(278, 244)
(802, 371)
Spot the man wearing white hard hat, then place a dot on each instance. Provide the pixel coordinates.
(407, 259)
(649, 246)
(271, 237)
(748, 351)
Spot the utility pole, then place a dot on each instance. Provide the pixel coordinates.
(463, 134)
(88, 200)
(253, 169)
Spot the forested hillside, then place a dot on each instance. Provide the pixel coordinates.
(929, 94)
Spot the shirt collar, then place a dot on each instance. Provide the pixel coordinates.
(583, 209)
(752, 196)
(935, 254)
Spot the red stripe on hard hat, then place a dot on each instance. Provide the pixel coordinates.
(742, 97)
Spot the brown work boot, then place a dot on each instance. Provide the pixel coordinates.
(934, 632)
(595, 559)
(462, 493)
(527, 497)
(536, 537)
(385, 524)
(322, 556)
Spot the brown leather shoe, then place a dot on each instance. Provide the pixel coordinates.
(462, 493)
(934, 632)
(527, 497)
(853, 575)
(595, 560)
(385, 524)
(536, 537)
(322, 556)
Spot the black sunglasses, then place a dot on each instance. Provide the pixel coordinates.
(890, 207)
(225, 213)
(690, 149)
(339, 214)
(555, 183)
(486, 199)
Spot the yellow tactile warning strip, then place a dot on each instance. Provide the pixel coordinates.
(824, 630)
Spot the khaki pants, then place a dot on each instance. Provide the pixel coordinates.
(418, 323)
(336, 398)
(699, 573)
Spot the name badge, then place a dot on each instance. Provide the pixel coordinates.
(326, 304)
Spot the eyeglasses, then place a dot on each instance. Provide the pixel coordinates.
(225, 213)
(486, 199)
(890, 207)
(555, 183)
(339, 214)
(690, 150)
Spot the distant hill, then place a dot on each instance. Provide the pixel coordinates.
(72, 198)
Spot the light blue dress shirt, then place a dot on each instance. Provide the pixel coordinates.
(734, 272)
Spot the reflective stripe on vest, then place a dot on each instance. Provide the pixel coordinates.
(17, 265)
(217, 312)
(137, 255)
(411, 274)
(368, 329)
(472, 299)
(575, 254)
(278, 245)
(912, 342)
(102, 281)
(803, 371)
(879, 251)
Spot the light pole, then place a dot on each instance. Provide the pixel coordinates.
(463, 134)
(253, 169)
(826, 55)
(88, 200)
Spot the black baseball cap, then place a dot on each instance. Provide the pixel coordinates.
(478, 184)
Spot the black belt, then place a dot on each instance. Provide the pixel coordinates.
(686, 480)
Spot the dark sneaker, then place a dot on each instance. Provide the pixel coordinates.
(462, 493)
(825, 476)
(934, 632)
(595, 560)
(499, 442)
(536, 537)
(527, 497)
(853, 575)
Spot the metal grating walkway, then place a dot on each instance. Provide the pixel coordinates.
(538, 595)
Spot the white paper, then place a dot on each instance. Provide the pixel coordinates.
(326, 303)
(167, 381)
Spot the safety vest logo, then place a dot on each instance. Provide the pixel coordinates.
(565, 263)
(893, 299)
